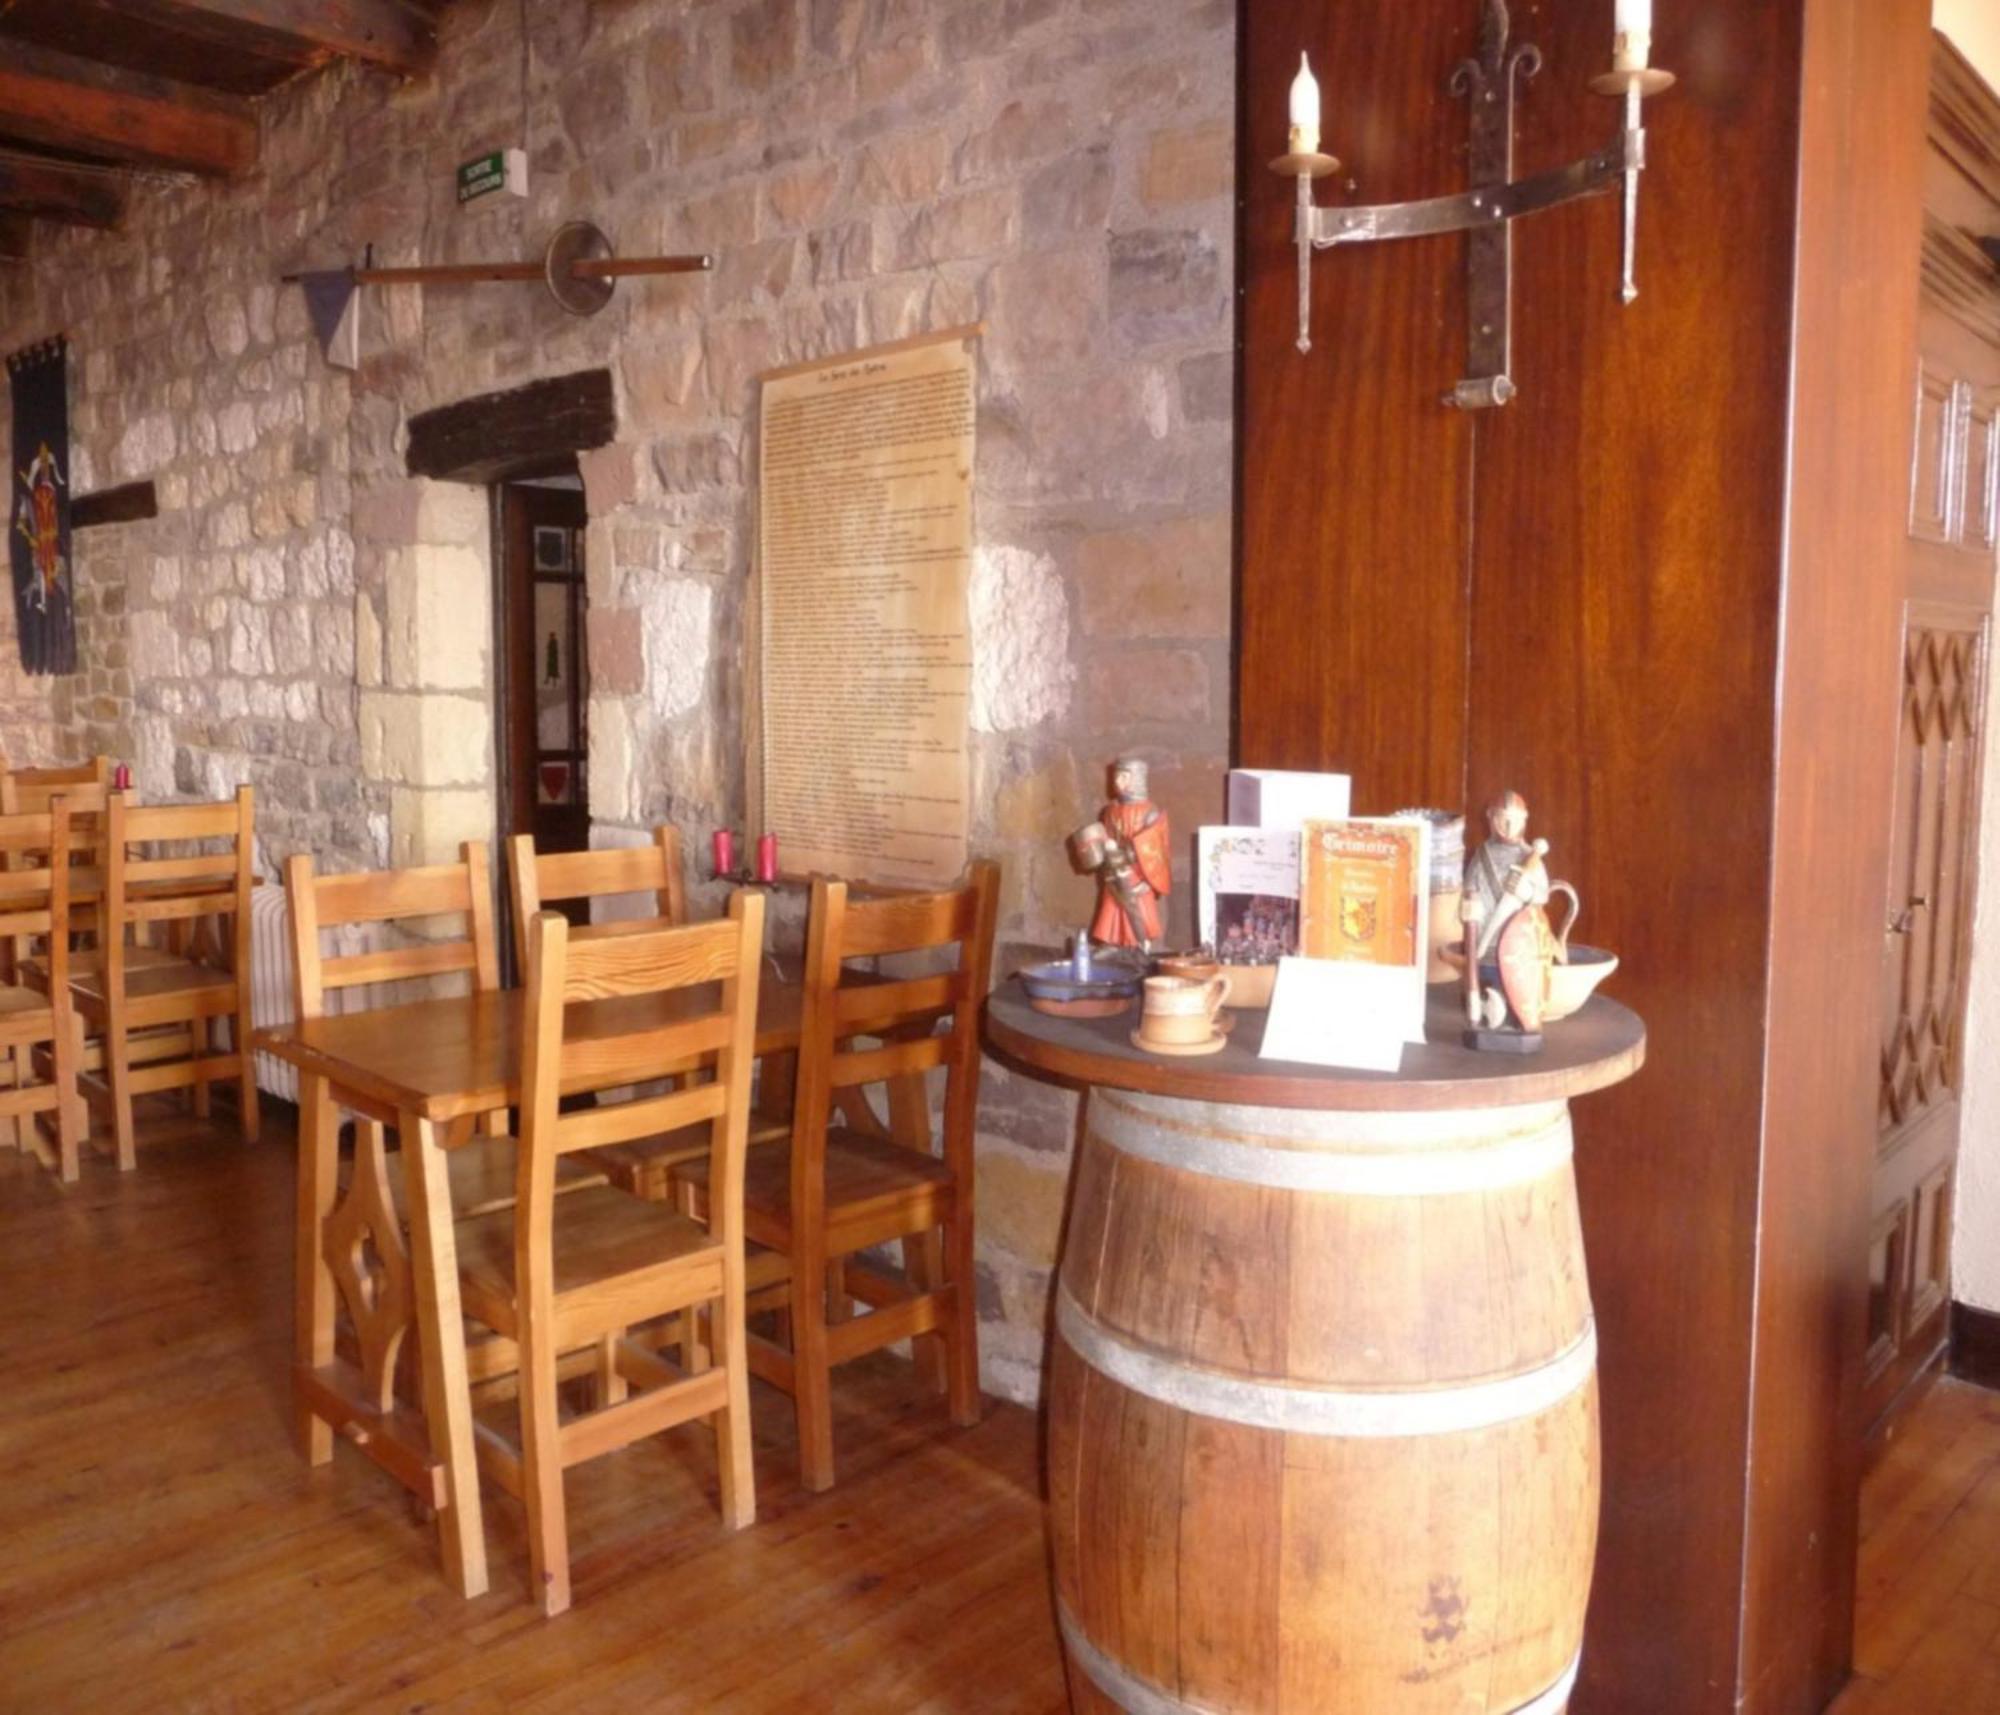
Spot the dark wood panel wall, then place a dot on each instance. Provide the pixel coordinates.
(1628, 553)
(1589, 595)
(1354, 492)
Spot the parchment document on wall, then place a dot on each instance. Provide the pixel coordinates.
(865, 556)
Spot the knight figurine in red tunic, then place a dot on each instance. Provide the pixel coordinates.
(1131, 910)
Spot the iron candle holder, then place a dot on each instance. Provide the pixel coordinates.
(1495, 200)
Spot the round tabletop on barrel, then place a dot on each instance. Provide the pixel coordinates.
(1595, 1047)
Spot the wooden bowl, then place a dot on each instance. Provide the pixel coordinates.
(1249, 985)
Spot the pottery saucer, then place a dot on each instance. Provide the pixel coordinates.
(1219, 1040)
(1081, 1008)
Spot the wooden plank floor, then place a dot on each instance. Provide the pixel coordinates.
(165, 1548)
(1927, 1638)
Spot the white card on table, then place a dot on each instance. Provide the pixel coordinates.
(1364, 900)
(1327, 1012)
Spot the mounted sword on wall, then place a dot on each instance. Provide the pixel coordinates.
(578, 266)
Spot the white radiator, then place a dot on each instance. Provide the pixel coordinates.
(271, 983)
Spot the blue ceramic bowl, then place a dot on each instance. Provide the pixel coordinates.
(1058, 981)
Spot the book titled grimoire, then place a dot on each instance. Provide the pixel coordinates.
(1363, 931)
(1362, 893)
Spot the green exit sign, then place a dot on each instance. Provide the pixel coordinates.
(499, 170)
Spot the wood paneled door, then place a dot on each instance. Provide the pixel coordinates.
(545, 689)
(1926, 938)
(1954, 529)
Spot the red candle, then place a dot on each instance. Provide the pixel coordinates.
(767, 857)
(722, 843)
(121, 778)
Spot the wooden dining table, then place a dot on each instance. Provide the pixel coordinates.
(433, 1069)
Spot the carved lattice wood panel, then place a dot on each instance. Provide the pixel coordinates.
(1930, 872)
(371, 1266)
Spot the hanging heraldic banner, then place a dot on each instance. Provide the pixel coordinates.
(38, 537)
(864, 662)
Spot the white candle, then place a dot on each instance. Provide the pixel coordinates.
(1305, 110)
(1632, 35)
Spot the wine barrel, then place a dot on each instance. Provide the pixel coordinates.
(1323, 1411)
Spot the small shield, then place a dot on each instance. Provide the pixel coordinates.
(1524, 973)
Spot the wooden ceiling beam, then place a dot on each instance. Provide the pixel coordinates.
(126, 504)
(387, 33)
(69, 103)
(55, 190)
(14, 238)
(525, 429)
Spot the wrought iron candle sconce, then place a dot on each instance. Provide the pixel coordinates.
(1496, 199)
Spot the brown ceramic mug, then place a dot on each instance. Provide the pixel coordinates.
(1180, 1011)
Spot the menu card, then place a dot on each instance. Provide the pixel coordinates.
(1248, 893)
(1364, 932)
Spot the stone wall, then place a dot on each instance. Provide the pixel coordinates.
(423, 660)
(861, 170)
(101, 691)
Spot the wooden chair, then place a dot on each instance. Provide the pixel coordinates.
(643, 1166)
(384, 898)
(842, 1188)
(123, 995)
(34, 903)
(89, 805)
(89, 808)
(86, 789)
(95, 772)
(367, 1209)
(540, 880)
(32, 792)
(481, 1177)
(562, 1272)
(22, 793)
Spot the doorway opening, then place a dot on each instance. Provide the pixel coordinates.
(542, 740)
